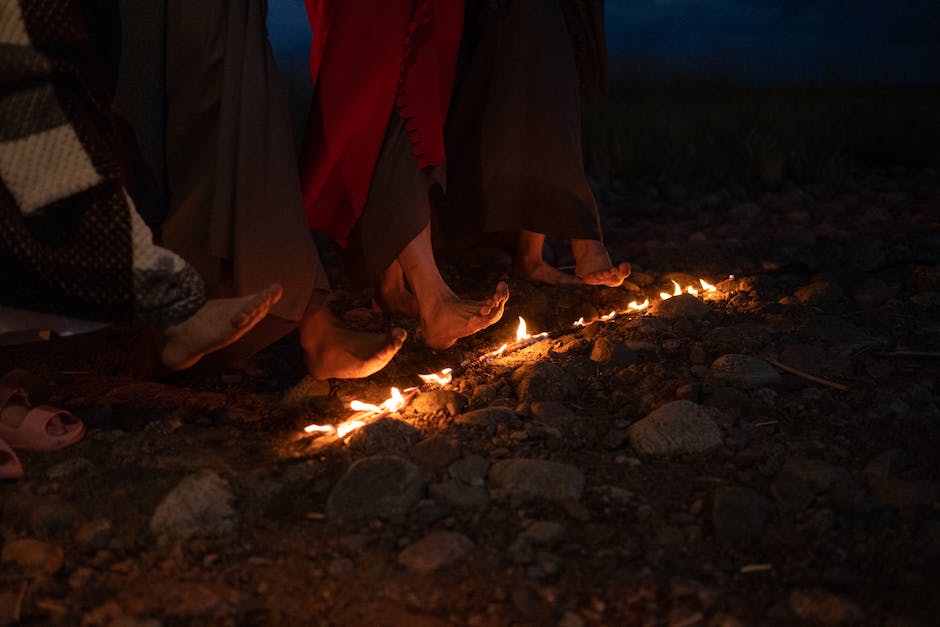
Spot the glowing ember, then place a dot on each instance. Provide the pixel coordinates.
(708, 287)
(635, 306)
(521, 332)
(442, 379)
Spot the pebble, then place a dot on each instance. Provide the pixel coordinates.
(553, 414)
(536, 479)
(71, 468)
(484, 394)
(822, 294)
(543, 381)
(384, 486)
(885, 464)
(471, 470)
(682, 306)
(200, 505)
(729, 401)
(901, 494)
(744, 372)
(689, 392)
(676, 427)
(615, 353)
(94, 536)
(46, 514)
(823, 607)
(435, 550)
(440, 401)
(872, 292)
(437, 451)
(821, 475)
(740, 515)
(487, 417)
(33, 557)
(385, 435)
(544, 532)
(459, 495)
(792, 495)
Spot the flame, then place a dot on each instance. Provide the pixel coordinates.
(442, 379)
(691, 290)
(499, 351)
(676, 292)
(610, 316)
(318, 428)
(393, 403)
(521, 332)
(360, 406)
(639, 306)
(348, 427)
(708, 287)
(579, 322)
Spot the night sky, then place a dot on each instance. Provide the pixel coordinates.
(893, 41)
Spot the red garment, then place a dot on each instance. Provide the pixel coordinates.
(368, 58)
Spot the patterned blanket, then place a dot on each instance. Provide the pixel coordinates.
(71, 241)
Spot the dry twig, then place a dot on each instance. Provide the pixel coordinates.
(806, 375)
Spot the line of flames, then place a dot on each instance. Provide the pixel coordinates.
(367, 412)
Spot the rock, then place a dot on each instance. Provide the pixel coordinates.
(71, 468)
(554, 414)
(729, 401)
(821, 475)
(682, 306)
(437, 549)
(689, 392)
(484, 394)
(822, 294)
(872, 292)
(792, 495)
(93, 536)
(459, 495)
(440, 401)
(470, 470)
(307, 389)
(885, 464)
(544, 532)
(383, 486)
(487, 417)
(536, 479)
(823, 607)
(385, 435)
(615, 353)
(437, 451)
(543, 381)
(200, 505)
(676, 427)
(744, 372)
(901, 494)
(33, 557)
(739, 515)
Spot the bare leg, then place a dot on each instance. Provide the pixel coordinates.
(332, 352)
(393, 296)
(219, 323)
(592, 263)
(445, 318)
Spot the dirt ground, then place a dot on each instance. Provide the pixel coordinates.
(633, 472)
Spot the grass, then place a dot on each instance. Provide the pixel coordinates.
(721, 129)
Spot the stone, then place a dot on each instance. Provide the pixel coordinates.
(544, 532)
(689, 392)
(744, 372)
(729, 401)
(487, 417)
(885, 464)
(383, 486)
(822, 294)
(471, 470)
(872, 292)
(676, 427)
(440, 401)
(543, 381)
(821, 475)
(901, 494)
(385, 435)
(307, 389)
(46, 514)
(536, 479)
(33, 557)
(484, 394)
(553, 414)
(200, 505)
(435, 550)
(437, 451)
(459, 495)
(823, 607)
(792, 495)
(94, 536)
(615, 353)
(71, 468)
(682, 306)
(740, 515)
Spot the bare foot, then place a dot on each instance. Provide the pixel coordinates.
(593, 265)
(393, 296)
(332, 352)
(448, 318)
(219, 323)
(541, 272)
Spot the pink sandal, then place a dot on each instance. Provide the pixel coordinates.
(10, 467)
(32, 434)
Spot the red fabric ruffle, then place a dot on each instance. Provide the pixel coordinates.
(367, 59)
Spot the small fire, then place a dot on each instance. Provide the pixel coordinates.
(348, 427)
(676, 292)
(521, 332)
(691, 290)
(579, 322)
(610, 316)
(499, 351)
(318, 428)
(708, 287)
(393, 403)
(635, 306)
(442, 379)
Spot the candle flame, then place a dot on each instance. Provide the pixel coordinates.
(442, 379)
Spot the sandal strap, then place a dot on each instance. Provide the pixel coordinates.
(8, 393)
